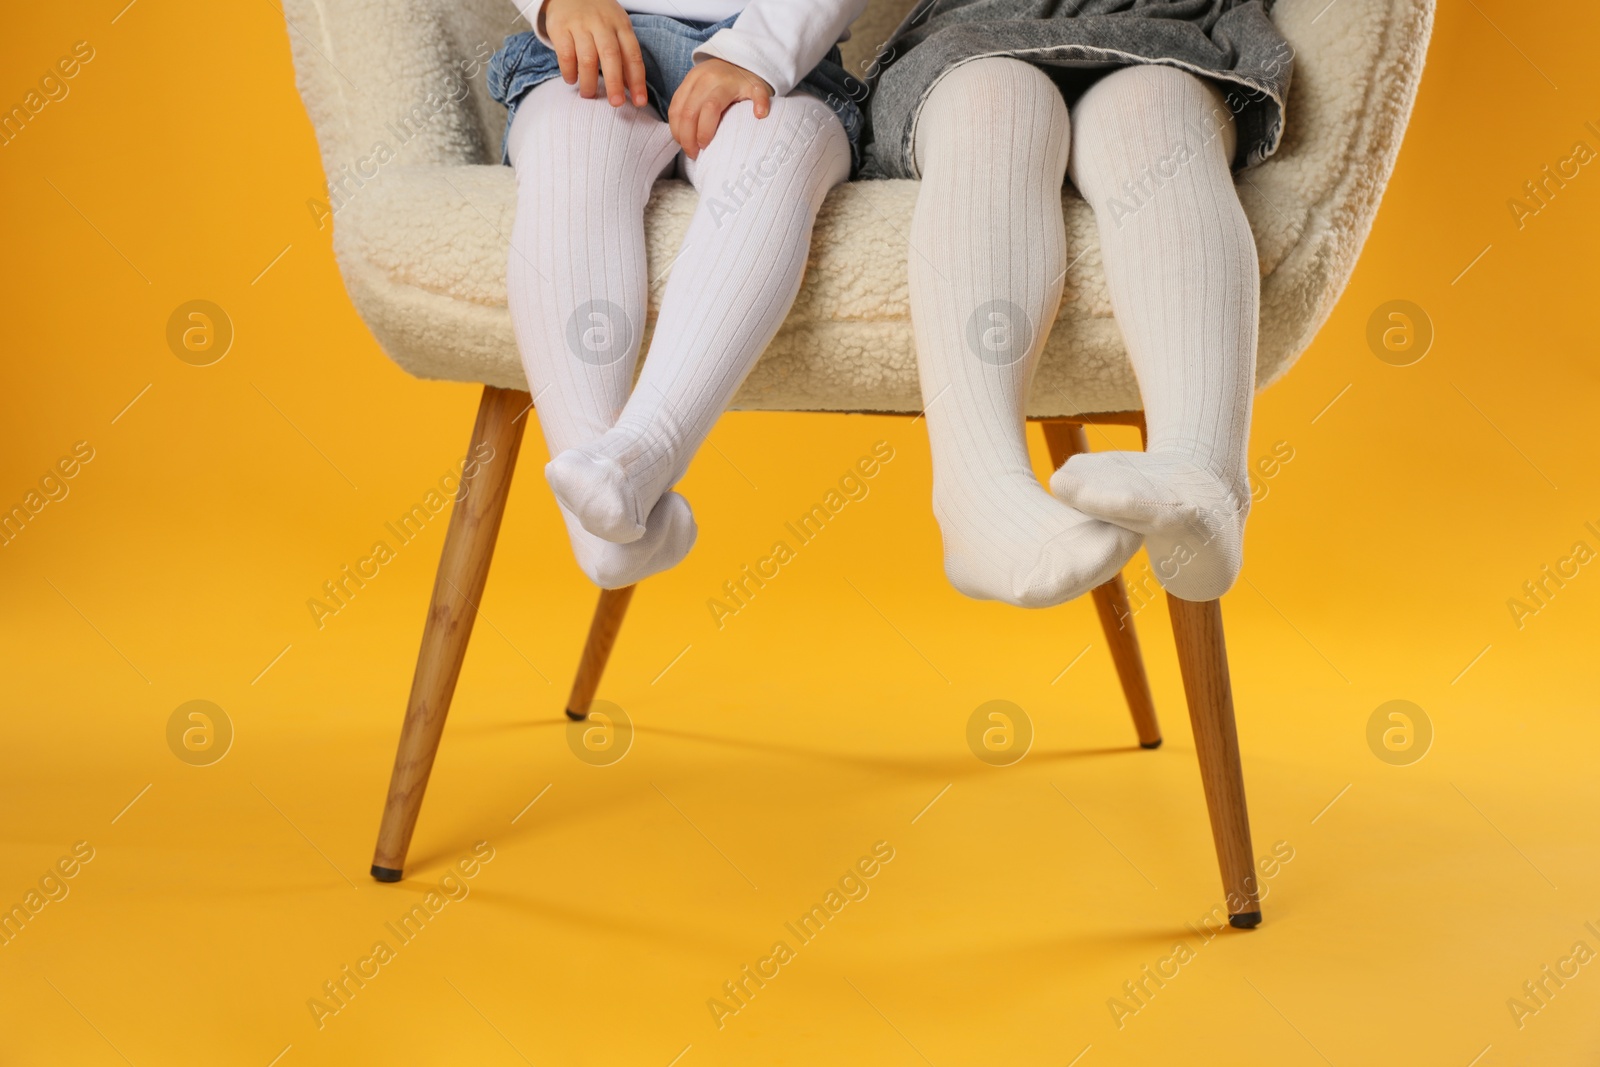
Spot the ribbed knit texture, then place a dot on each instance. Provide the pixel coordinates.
(578, 288)
(987, 261)
(761, 183)
(1151, 151)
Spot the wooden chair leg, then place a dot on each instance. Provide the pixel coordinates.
(1116, 620)
(1203, 660)
(603, 632)
(457, 589)
(1067, 439)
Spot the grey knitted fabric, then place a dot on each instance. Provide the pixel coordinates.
(1232, 42)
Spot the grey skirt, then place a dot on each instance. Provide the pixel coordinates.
(1230, 42)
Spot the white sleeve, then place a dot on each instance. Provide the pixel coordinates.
(533, 11)
(780, 41)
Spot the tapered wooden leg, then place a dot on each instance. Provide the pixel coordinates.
(1116, 619)
(457, 589)
(1203, 659)
(1066, 439)
(603, 632)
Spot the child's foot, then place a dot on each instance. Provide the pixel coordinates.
(1193, 524)
(669, 534)
(596, 490)
(1015, 543)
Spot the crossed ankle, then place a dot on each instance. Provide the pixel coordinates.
(1229, 513)
(597, 491)
(1066, 555)
(670, 532)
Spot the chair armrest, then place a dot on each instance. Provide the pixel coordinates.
(400, 88)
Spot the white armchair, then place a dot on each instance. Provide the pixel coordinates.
(421, 211)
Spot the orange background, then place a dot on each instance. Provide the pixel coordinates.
(819, 720)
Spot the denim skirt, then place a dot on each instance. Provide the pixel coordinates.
(668, 44)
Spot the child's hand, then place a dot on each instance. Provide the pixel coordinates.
(594, 38)
(713, 86)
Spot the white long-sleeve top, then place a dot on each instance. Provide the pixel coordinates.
(778, 41)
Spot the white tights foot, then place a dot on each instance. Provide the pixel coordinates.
(1193, 525)
(669, 534)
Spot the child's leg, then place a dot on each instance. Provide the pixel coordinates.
(1151, 154)
(988, 254)
(577, 288)
(761, 182)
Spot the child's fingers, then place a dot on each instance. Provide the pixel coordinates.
(611, 67)
(588, 63)
(761, 99)
(566, 55)
(633, 66)
(710, 117)
(683, 115)
(675, 123)
(675, 110)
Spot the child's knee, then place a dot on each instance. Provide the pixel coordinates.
(980, 87)
(1149, 125)
(1126, 102)
(991, 105)
(555, 117)
(798, 129)
(800, 122)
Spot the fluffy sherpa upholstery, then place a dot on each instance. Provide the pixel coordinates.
(423, 212)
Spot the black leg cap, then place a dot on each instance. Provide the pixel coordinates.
(386, 874)
(1245, 920)
(1150, 744)
(577, 716)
